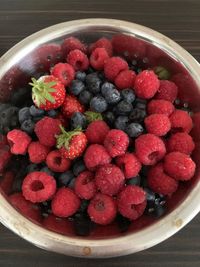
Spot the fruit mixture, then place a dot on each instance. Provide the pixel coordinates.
(95, 140)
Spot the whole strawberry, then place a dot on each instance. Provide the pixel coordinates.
(71, 105)
(71, 144)
(47, 92)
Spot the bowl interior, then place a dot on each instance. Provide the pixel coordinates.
(36, 60)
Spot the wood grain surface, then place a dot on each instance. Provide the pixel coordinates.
(180, 20)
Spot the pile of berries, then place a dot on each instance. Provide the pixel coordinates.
(96, 141)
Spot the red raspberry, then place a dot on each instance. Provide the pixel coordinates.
(129, 164)
(27, 208)
(113, 66)
(59, 225)
(65, 203)
(78, 60)
(85, 185)
(72, 43)
(160, 107)
(102, 43)
(179, 166)
(132, 202)
(116, 142)
(38, 187)
(46, 129)
(109, 179)
(64, 72)
(6, 182)
(37, 152)
(181, 121)
(96, 132)
(125, 79)
(158, 124)
(149, 149)
(146, 84)
(181, 142)
(71, 105)
(56, 162)
(102, 209)
(5, 156)
(167, 91)
(98, 58)
(160, 182)
(95, 156)
(18, 141)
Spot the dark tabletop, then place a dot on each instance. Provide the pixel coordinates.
(179, 20)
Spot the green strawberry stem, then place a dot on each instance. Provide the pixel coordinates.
(93, 116)
(63, 140)
(41, 91)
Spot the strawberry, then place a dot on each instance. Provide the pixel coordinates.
(47, 92)
(71, 144)
(71, 105)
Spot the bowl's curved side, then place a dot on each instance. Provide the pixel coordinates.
(126, 244)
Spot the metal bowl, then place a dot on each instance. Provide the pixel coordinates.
(152, 48)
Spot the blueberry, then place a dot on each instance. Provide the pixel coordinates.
(121, 122)
(4, 106)
(150, 195)
(71, 183)
(28, 126)
(80, 76)
(36, 112)
(93, 83)
(52, 113)
(159, 211)
(7, 114)
(98, 104)
(134, 130)
(128, 95)
(45, 208)
(17, 185)
(24, 114)
(78, 120)
(76, 87)
(32, 168)
(112, 96)
(123, 223)
(14, 122)
(107, 87)
(36, 119)
(123, 108)
(134, 181)
(85, 97)
(82, 224)
(78, 167)
(47, 170)
(84, 205)
(137, 115)
(109, 117)
(65, 178)
(140, 103)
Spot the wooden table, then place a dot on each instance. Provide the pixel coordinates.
(179, 20)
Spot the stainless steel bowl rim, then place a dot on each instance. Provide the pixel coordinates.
(132, 242)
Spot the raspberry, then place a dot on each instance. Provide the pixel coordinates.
(18, 141)
(149, 149)
(160, 182)
(65, 203)
(96, 132)
(167, 91)
(146, 84)
(102, 209)
(95, 156)
(160, 107)
(132, 202)
(78, 60)
(56, 162)
(116, 142)
(38, 187)
(129, 164)
(181, 121)
(158, 124)
(72, 43)
(5, 156)
(6, 182)
(46, 129)
(64, 72)
(181, 142)
(25, 207)
(113, 66)
(98, 58)
(70, 106)
(59, 225)
(179, 166)
(102, 43)
(125, 79)
(85, 186)
(109, 179)
(37, 152)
